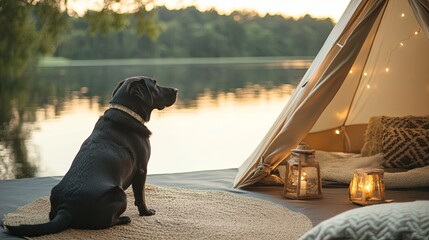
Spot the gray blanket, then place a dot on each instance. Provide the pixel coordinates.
(339, 167)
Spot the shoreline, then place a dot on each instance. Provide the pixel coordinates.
(292, 62)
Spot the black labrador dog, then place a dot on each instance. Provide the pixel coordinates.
(91, 194)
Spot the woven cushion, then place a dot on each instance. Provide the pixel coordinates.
(405, 147)
(409, 220)
(378, 124)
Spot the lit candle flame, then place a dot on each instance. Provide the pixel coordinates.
(368, 188)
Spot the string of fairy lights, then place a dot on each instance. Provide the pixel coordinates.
(402, 43)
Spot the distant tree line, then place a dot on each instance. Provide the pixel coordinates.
(191, 33)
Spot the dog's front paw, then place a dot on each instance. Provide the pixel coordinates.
(147, 212)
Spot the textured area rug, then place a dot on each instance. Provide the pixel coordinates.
(185, 214)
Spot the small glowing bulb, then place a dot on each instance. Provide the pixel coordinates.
(337, 132)
(402, 44)
(403, 15)
(351, 71)
(368, 86)
(387, 69)
(416, 33)
(365, 74)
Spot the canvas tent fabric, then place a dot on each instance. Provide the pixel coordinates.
(421, 8)
(374, 62)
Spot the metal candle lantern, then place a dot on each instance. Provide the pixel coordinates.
(302, 180)
(367, 186)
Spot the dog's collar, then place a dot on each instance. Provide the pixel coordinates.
(127, 110)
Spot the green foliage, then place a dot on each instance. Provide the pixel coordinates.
(32, 28)
(26, 29)
(146, 24)
(105, 21)
(191, 33)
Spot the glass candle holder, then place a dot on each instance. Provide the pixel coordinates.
(367, 186)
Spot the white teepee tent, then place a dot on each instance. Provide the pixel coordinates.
(375, 62)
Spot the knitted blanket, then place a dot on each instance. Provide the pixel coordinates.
(339, 167)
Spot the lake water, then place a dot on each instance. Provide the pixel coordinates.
(224, 109)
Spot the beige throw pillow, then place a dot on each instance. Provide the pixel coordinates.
(378, 124)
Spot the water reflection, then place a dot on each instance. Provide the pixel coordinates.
(46, 114)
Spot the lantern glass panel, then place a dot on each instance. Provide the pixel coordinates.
(310, 179)
(292, 178)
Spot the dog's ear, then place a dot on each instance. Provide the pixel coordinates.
(117, 87)
(141, 90)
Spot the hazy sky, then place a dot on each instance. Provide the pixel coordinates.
(294, 8)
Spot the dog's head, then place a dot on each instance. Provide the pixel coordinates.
(142, 95)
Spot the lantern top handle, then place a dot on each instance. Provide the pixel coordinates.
(303, 148)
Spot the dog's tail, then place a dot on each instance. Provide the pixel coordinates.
(61, 222)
